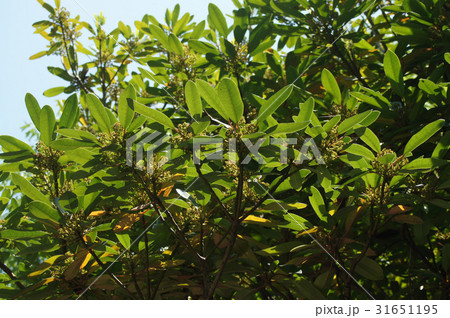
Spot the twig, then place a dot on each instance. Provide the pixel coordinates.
(11, 275)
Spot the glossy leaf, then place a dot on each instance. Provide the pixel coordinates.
(393, 71)
(98, 112)
(423, 135)
(318, 204)
(11, 144)
(217, 20)
(175, 45)
(272, 104)
(331, 86)
(47, 124)
(126, 110)
(71, 113)
(230, 98)
(33, 109)
(153, 114)
(28, 189)
(351, 122)
(209, 94)
(44, 211)
(193, 100)
(20, 235)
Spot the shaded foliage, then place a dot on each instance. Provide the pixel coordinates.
(79, 221)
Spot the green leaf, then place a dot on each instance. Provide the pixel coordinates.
(286, 128)
(393, 71)
(447, 57)
(217, 20)
(153, 114)
(424, 164)
(175, 45)
(369, 138)
(159, 34)
(423, 135)
(262, 47)
(78, 134)
(370, 119)
(78, 155)
(295, 222)
(20, 235)
(350, 123)
(210, 95)
(442, 147)
(331, 123)
(198, 30)
(318, 204)
(126, 110)
(331, 86)
(360, 151)
(70, 144)
(124, 239)
(38, 55)
(47, 124)
(203, 47)
(98, 112)
(231, 100)
(33, 109)
(193, 100)
(43, 211)
(428, 86)
(282, 248)
(54, 91)
(369, 269)
(71, 113)
(11, 144)
(271, 105)
(306, 111)
(28, 189)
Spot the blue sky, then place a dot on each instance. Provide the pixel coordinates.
(19, 75)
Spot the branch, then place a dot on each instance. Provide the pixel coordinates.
(208, 185)
(11, 275)
(106, 269)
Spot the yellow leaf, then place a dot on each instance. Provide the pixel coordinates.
(166, 190)
(399, 209)
(66, 63)
(313, 230)
(38, 55)
(86, 261)
(83, 121)
(46, 265)
(260, 221)
(128, 221)
(97, 213)
(74, 268)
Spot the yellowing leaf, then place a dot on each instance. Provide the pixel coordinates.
(127, 221)
(75, 267)
(313, 230)
(251, 219)
(46, 265)
(399, 209)
(97, 213)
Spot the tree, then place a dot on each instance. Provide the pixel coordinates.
(128, 195)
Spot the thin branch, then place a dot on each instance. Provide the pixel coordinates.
(11, 275)
(102, 265)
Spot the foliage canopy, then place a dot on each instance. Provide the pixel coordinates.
(367, 81)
